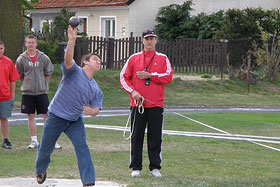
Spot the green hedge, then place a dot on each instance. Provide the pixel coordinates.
(238, 26)
(50, 49)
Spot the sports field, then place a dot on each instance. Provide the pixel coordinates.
(186, 161)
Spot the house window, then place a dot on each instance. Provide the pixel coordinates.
(45, 24)
(108, 27)
(82, 28)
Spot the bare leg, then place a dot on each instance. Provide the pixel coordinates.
(44, 117)
(4, 127)
(32, 125)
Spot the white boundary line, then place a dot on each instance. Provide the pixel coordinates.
(263, 139)
(216, 129)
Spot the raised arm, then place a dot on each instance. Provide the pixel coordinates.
(69, 52)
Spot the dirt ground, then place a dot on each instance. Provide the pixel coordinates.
(50, 182)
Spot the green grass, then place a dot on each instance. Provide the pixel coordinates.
(207, 76)
(187, 161)
(222, 93)
(184, 93)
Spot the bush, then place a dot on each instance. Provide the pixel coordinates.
(268, 54)
(238, 26)
(237, 50)
(173, 20)
(206, 76)
(49, 49)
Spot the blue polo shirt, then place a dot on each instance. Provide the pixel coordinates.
(75, 91)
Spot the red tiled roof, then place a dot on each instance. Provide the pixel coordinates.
(78, 3)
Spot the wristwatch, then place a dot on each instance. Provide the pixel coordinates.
(149, 76)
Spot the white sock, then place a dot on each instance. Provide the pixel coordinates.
(34, 138)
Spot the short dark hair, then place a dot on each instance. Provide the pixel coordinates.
(29, 36)
(87, 57)
(1, 42)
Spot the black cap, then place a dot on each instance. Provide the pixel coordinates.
(148, 33)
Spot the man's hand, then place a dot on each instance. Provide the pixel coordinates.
(69, 51)
(136, 95)
(72, 33)
(92, 111)
(142, 74)
(48, 78)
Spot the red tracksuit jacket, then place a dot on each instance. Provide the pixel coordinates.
(155, 63)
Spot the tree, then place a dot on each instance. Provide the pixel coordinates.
(11, 21)
(11, 31)
(27, 4)
(170, 18)
(60, 25)
(49, 39)
(211, 25)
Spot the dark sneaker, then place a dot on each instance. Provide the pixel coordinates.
(89, 185)
(41, 178)
(7, 145)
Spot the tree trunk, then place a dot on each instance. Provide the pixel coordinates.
(11, 25)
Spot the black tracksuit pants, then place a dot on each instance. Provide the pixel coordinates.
(153, 119)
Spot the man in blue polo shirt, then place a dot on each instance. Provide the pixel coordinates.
(77, 93)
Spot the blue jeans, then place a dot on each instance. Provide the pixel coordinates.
(75, 130)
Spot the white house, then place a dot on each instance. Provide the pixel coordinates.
(118, 18)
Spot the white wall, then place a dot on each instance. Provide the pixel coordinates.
(94, 17)
(143, 12)
(39, 15)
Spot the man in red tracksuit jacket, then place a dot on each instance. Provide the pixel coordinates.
(144, 77)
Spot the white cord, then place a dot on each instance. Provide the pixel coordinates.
(139, 105)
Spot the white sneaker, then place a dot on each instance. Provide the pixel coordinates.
(57, 146)
(156, 173)
(33, 145)
(136, 173)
